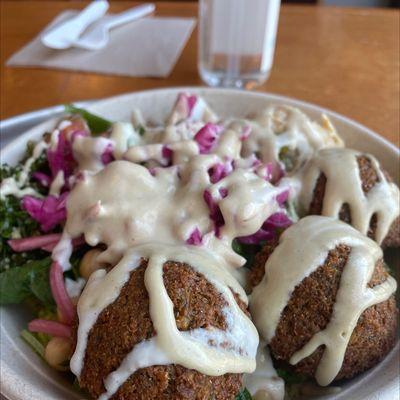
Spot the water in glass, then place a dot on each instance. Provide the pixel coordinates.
(237, 41)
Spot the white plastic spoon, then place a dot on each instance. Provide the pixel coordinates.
(67, 32)
(96, 36)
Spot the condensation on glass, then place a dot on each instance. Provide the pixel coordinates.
(237, 41)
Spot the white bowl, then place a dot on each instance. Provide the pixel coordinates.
(24, 376)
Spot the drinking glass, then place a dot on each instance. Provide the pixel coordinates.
(237, 41)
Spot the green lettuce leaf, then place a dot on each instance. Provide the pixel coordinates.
(289, 377)
(244, 395)
(96, 124)
(31, 279)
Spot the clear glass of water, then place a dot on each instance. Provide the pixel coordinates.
(237, 41)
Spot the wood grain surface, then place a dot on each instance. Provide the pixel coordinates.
(344, 59)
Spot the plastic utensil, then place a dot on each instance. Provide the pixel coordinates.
(67, 32)
(96, 36)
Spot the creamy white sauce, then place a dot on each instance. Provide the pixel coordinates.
(64, 124)
(191, 349)
(144, 354)
(124, 205)
(88, 150)
(249, 202)
(302, 249)
(10, 186)
(343, 185)
(54, 137)
(62, 251)
(123, 135)
(17, 187)
(200, 112)
(283, 126)
(264, 383)
(137, 118)
(57, 184)
(74, 288)
(141, 154)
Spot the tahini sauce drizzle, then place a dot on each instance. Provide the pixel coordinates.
(296, 258)
(264, 383)
(283, 126)
(343, 185)
(268, 132)
(17, 187)
(190, 349)
(124, 205)
(88, 151)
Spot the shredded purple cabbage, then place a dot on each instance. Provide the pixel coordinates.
(282, 197)
(269, 229)
(245, 133)
(215, 212)
(195, 238)
(167, 154)
(278, 172)
(273, 171)
(49, 212)
(223, 192)
(207, 136)
(153, 171)
(191, 101)
(220, 171)
(265, 171)
(107, 155)
(256, 162)
(62, 159)
(184, 106)
(260, 236)
(42, 178)
(278, 220)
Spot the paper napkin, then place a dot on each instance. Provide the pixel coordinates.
(146, 47)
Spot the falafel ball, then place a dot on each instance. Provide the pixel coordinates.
(369, 178)
(309, 311)
(126, 322)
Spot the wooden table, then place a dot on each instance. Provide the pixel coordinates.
(344, 59)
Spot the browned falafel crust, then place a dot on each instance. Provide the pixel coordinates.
(127, 322)
(309, 311)
(257, 270)
(369, 178)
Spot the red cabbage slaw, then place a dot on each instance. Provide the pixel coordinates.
(50, 212)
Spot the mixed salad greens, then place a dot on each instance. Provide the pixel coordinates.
(31, 224)
(30, 227)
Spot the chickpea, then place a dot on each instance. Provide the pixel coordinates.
(58, 351)
(88, 263)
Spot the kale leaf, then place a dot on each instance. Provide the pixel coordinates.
(15, 222)
(96, 124)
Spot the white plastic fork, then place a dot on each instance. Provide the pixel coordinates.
(67, 32)
(97, 35)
